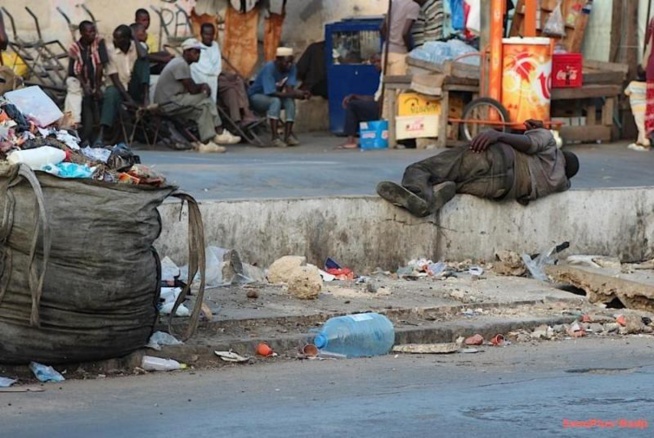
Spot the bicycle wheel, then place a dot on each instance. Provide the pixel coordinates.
(477, 112)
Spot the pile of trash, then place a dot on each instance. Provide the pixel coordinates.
(31, 133)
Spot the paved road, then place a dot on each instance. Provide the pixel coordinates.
(318, 169)
(517, 391)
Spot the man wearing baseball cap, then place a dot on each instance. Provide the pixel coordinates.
(179, 96)
(274, 90)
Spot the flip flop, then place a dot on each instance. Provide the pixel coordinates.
(349, 146)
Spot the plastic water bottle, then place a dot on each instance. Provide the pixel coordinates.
(37, 158)
(151, 363)
(358, 335)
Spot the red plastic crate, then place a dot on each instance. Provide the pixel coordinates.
(567, 70)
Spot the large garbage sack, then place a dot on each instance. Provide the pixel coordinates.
(79, 277)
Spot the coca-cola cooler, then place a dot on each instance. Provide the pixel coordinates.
(567, 70)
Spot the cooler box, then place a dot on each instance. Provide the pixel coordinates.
(567, 70)
(373, 135)
(526, 72)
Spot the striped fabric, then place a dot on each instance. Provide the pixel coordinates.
(429, 25)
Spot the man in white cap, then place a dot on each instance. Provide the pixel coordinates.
(274, 90)
(178, 95)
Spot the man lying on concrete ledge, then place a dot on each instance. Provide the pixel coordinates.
(495, 165)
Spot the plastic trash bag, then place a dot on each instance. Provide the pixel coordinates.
(6, 382)
(536, 264)
(69, 170)
(45, 373)
(555, 26)
(159, 339)
(169, 270)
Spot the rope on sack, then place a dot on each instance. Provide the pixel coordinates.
(196, 261)
(5, 231)
(42, 224)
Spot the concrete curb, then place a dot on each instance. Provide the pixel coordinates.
(434, 333)
(367, 232)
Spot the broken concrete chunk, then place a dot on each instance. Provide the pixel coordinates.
(543, 332)
(594, 261)
(427, 348)
(635, 291)
(281, 269)
(509, 263)
(305, 282)
(475, 340)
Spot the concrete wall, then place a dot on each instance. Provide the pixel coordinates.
(304, 22)
(366, 232)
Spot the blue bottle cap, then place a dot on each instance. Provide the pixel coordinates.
(320, 341)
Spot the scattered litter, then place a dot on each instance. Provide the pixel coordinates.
(536, 264)
(69, 170)
(326, 276)
(182, 311)
(151, 363)
(310, 350)
(169, 271)
(474, 340)
(253, 294)
(620, 319)
(476, 271)
(331, 264)
(498, 340)
(469, 350)
(343, 274)
(159, 339)
(230, 356)
(576, 331)
(46, 373)
(169, 296)
(264, 350)
(436, 269)
(446, 348)
(6, 382)
(96, 154)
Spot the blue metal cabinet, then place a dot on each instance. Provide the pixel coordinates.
(349, 44)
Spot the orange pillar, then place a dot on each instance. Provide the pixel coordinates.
(496, 35)
(530, 18)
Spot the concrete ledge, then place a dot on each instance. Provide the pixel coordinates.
(367, 232)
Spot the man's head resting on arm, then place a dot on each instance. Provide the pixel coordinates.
(571, 160)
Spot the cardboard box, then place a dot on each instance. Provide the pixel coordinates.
(416, 126)
(414, 104)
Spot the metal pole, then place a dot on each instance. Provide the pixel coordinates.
(387, 23)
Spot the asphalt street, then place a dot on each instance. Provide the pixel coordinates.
(318, 169)
(589, 387)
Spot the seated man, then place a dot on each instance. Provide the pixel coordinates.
(158, 58)
(129, 79)
(495, 165)
(87, 58)
(361, 108)
(229, 87)
(179, 95)
(273, 90)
